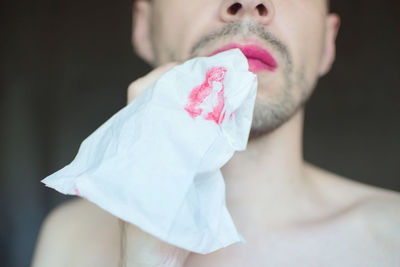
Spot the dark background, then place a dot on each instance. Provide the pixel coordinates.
(65, 67)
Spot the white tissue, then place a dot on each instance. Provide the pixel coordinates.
(156, 163)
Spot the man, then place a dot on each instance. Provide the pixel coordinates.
(290, 212)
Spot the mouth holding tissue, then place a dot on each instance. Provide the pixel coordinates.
(190, 121)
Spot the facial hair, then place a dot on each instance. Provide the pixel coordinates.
(272, 112)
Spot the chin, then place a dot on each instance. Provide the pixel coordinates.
(271, 113)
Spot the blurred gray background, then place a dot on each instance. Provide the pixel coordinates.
(65, 67)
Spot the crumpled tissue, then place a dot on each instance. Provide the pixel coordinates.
(156, 163)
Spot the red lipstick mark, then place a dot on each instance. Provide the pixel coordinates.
(214, 77)
(76, 190)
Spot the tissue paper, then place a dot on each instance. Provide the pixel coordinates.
(156, 163)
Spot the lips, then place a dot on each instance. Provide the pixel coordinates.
(259, 58)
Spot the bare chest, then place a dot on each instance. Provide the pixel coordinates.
(339, 245)
(345, 243)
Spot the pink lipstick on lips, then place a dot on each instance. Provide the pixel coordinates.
(259, 59)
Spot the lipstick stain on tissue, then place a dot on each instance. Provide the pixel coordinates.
(215, 77)
(76, 190)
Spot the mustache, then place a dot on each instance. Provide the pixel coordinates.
(243, 28)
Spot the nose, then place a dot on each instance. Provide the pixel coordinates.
(260, 10)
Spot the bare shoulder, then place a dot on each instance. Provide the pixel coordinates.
(348, 189)
(75, 234)
(377, 208)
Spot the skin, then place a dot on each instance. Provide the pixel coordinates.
(301, 61)
(290, 212)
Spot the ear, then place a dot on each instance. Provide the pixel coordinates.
(329, 53)
(141, 30)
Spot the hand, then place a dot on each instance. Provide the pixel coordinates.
(141, 84)
(137, 247)
(140, 249)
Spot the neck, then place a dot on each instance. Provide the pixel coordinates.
(267, 177)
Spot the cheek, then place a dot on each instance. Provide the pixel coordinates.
(313, 44)
(170, 30)
(165, 33)
(303, 27)
(175, 30)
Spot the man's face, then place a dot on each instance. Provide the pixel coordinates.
(298, 34)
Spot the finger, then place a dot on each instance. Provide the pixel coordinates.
(141, 84)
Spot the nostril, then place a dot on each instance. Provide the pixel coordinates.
(233, 9)
(262, 10)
